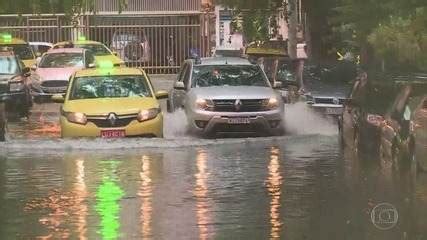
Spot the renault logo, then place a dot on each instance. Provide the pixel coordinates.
(112, 118)
(238, 104)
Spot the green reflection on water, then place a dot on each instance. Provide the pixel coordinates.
(107, 205)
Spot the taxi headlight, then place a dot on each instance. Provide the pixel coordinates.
(145, 115)
(204, 104)
(271, 103)
(75, 117)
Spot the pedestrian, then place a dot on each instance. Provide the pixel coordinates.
(301, 58)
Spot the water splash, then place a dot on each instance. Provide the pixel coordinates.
(302, 120)
(175, 125)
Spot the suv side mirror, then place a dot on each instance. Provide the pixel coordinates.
(179, 86)
(162, 95)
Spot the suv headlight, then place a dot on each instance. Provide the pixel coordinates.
(76, 117)
(271, 103)
(145, 115)
(204, 104)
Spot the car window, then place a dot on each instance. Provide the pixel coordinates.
(24, 51)
(62, 60)
(90, 59)
(109, 87)
(8, 65)
(228, 75)
(96, 49)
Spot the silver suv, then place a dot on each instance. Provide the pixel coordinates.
(227, 95)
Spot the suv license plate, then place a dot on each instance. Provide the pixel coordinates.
(239, 121)
(334, 111)
(113, 133)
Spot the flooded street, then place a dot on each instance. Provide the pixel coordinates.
(304, 185)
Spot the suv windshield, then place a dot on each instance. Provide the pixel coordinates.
(96, 49)
(109, 87)
(8, 65)
(228, 75)
(62, 60)
(24, 51)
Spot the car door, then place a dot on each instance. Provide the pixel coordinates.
(178, 95)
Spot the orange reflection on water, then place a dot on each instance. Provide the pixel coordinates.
(146, 193)
(274, 184)
(63, 207)
(80, 190)
(201, 194)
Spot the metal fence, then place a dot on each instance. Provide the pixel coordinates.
(105, 6)
(157, 44)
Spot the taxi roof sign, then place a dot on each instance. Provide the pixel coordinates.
(105, 64)
(6, 37)
(81, 38)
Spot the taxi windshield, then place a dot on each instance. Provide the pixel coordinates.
(24, 51)
(96, 49)
(8, 65)
(109, 87)
(229, 75)
(62, 60)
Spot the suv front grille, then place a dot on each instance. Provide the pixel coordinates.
(328, 101)
(247, 105)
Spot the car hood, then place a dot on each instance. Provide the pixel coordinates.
(318, 88)
(240, 92)
(56, 73)
(104, 106)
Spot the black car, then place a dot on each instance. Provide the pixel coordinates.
(364, 114)
(14, 81)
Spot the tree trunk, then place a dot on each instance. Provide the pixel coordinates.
(293, 22)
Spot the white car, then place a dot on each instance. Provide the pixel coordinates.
(40, 47)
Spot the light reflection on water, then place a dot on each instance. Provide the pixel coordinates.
(201, 194)
(145, 192)
(274, 184)
(286, 189)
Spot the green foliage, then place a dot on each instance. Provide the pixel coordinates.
(254, 17)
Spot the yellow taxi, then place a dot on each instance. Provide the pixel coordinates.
(20, 48)
(101, 52)
(111, 102)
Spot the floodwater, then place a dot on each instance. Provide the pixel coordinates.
(304, 185)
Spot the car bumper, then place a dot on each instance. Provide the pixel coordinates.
(328, 109)
(150, 128)
(204, 122)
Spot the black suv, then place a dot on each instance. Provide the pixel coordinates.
(14, 82)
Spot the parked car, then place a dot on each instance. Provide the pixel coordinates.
(227, 95)
(131, 46)
(329, 87)
(364, 113)
(418, 146)
(20, 47)
(14, 80)
(39, 48)
(399, 136)
(101, 52)
(111, 103)
(56, 66)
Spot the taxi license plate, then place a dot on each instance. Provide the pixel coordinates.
(239, 121)
(334, 111)
(113, 133)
